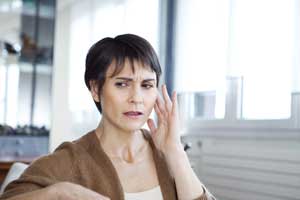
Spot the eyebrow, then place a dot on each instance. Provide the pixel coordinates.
(130, 79)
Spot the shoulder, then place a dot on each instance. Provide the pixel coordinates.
(61, 162)
(61, 165)
(54, 163)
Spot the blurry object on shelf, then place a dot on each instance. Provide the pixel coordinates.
(26, 130)
(7, 48)
(37, 32)
(32, 130)
(6, 130)
(10, 49)
(197, 104)
(29, 47)
(31, 52)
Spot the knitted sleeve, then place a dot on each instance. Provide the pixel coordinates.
(206, 195)
(43, 172)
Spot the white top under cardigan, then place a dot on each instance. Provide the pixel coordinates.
(154, 193)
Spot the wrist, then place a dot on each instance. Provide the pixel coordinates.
(178, 163)
(173, 149)
(176, 156)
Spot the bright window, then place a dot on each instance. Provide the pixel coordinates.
(262, 52)
(201, 52)
(252, 39)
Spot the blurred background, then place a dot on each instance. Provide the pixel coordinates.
(234, 63)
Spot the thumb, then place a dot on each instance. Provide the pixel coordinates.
(151, 126)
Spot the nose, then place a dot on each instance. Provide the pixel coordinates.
(136, 95)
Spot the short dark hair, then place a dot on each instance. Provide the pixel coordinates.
(119, 49)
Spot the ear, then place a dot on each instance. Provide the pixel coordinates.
(94, 90)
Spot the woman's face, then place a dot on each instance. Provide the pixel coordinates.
(128, 98)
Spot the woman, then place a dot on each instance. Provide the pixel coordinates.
(118, 160)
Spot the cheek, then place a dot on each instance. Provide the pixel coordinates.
(111, 100)
(151, 98)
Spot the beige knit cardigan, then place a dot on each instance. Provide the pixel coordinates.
(84, 162)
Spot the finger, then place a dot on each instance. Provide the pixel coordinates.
(151, 126)
(168, 102)
(162, 118)
(161, 106)
(175, 104)
(158, 112)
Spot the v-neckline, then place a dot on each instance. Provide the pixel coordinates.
(100, 156)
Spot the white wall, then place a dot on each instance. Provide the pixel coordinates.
(64, 126)
(60, 113)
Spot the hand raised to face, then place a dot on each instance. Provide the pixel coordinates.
(166, 135)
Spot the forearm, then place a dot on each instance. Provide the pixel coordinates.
(47, 193)
(187, 183)
(60, 191)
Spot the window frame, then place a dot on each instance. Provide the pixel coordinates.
(233, 120)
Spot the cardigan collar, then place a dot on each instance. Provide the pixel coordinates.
(93, 146)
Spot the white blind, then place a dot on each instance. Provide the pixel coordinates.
(252, 39)
(262, 51)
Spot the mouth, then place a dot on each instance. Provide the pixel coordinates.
(133, 114)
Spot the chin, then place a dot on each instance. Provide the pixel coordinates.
(133, 125)
(132, 128)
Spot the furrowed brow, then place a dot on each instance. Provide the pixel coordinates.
(124, 78)
(130, 79)
(149, 80)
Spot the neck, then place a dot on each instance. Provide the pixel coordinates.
(127, 146)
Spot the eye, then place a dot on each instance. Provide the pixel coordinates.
(121, 84)
(147, 85)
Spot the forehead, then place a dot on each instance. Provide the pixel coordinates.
(136, 69)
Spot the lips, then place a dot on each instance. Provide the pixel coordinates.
(133, 114)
